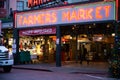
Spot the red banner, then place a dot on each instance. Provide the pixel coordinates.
(3, 12)
(40, 31)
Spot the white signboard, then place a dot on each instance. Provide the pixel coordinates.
(14, 48)
(57, 41)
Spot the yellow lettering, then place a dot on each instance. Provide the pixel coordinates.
(42, 18)
(20, 20)
(47, 18)
(30, 20)
(81, 14)
(107, 11)
(54, 17)
(36, 19)
(98, 15)
(73, 15)
(39, 19)
(66, 16)
(25, 21)
(89, 14)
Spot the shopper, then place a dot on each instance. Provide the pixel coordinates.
(87, 58)
(83, 53)
(53, 53)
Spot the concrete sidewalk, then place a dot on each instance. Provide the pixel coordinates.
(94, 68)
(68, 67)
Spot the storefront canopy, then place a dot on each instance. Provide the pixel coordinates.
(100, 11)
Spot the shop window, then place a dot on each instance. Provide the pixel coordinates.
(20, 5)
(26, 4)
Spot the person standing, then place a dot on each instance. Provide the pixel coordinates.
(87, 58)
(83, 54)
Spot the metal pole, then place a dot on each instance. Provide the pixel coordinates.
(77, 51)
(16, 45)
(58, 47)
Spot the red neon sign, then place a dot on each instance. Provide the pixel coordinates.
(33, 3)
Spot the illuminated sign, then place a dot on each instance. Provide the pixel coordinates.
(64, 15)
(33, 3)
(50, 30)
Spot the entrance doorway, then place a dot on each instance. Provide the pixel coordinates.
(96, 37)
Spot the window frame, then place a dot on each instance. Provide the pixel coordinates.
(19, 7)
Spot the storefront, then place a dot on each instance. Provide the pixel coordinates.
(66, 29)
(39, 41)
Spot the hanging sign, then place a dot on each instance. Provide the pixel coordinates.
(40, 31)
(67, 14)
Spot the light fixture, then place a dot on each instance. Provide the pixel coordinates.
(94, 24)
(70, 37)
(73, 28)
(89, 27)
(108, 26)
(113, 34)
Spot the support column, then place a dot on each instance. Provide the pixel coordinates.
(15, 46)
(58, 46)
(76, 49)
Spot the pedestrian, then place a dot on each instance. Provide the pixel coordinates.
(81, 58)
(83, 54)
(87, 58)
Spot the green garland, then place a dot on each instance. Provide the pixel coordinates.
(114, 64)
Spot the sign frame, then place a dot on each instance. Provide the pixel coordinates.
(55, 13)
(38, 31)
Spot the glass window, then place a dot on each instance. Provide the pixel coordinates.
(20, 5)
(26, 4)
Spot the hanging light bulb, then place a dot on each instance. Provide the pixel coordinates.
(108, 26)
(113, 34)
